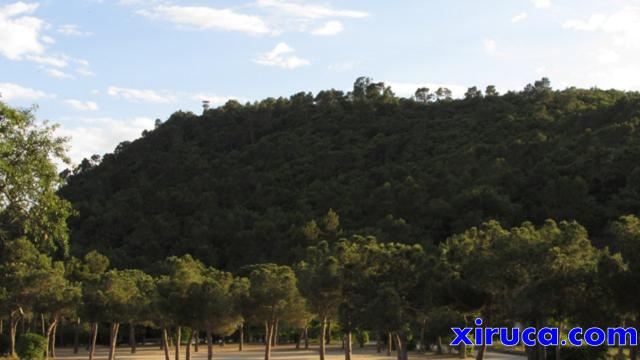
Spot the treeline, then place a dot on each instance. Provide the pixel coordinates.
(236, 184)
(397, 294)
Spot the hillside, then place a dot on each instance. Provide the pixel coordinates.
(237, 184)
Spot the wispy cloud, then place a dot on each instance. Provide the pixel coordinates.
(73, 30)
(58, 61)
(623, 25)
(101, 134)
(281, 56)
(310, 11)
(541, 4)
(203, 17)
(141, 95)
(58, 74)
(82, 105)
(330, 28)
(519, 17)
(12, 91)
(490, 46)
(344, 66)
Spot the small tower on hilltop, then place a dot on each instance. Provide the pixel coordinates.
(205, 105)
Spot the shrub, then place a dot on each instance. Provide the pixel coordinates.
(362, 337)
(31, 346)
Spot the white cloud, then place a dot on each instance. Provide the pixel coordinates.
(607, 56)
(490, 46)
(519, 17)
(21, 39)
(58, 61)
(141, 95)
(11, 91)
(48, 39)
(85, 71)
(20, 33)
(330, 28)
(408, 89)
(203, 17)
(55, 73)
(344, 66)
(101, 135)
(82, 105)
(623, 26)
(281, 56)
(609, 59)
(309, 11)
(72, 30)
(541, 3)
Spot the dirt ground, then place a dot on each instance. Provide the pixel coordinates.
(251, 352)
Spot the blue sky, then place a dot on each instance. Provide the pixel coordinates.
(106, 69)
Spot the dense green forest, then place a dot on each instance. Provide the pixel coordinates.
(242, 184)
(358, 215)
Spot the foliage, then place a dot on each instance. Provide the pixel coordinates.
(29, 205)
(238, 184)
(31, 346)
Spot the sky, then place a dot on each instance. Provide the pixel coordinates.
(104, 70)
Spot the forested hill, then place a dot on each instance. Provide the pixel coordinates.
(238, 184)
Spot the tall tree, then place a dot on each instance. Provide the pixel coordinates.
(273, 291)
(320, 283)
(29, 205)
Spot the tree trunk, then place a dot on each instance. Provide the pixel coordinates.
(13, 328)
(401, 344)
(241, 337)
(50, 339)
(275, 335)
(378, 343)
(398, 347)
(348, 346)
(270, 331)
(188, 348)
(209, 345)
(481, 351)
(299, 339)
(92, 340)
(197, 343)
(389, 344)
(165, 343)
(178, 338)
(53, 340)
(462, 351)
(43, 325)
(560, 330)
(306, 338)
(266, 332)
(439, 345)
(423, 347)
(323, 331)
(328, 338)
(1, 327)
(132, 338)
(76, 336)
(113, 340)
